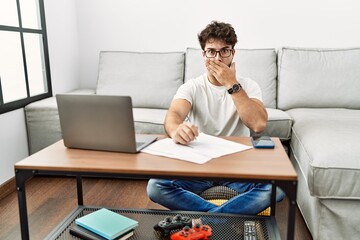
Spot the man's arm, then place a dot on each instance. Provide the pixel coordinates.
(175, 127)
(251, 111)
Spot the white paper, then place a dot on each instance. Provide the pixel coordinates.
(203, 149)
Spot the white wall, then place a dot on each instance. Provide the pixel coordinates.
(13, 142)
(64, 62)
(163, 25)
(63, 40)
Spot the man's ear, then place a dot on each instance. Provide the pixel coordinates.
(204, 57)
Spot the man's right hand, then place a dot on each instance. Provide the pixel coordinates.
(185, 133)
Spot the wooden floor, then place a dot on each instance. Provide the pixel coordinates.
(51, 199)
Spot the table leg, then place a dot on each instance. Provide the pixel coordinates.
(79, 190)
(290, 188)
(291, 216)
(21, 176)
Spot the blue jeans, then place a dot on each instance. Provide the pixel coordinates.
(184, 195)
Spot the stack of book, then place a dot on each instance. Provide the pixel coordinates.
(104, 224)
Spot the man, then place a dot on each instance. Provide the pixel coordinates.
(216, 103)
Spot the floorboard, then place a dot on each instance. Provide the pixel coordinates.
(51, 199)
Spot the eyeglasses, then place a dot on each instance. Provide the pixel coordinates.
(225, 52)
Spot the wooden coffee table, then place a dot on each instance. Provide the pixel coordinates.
(254, 165)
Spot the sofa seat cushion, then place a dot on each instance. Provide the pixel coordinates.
(149, 120)
(151, 79)
(325, 143)
(278, 125)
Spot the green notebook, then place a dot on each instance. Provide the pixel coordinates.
(106, 223)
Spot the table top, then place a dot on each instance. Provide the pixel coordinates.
(250, 164)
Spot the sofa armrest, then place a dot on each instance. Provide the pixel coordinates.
(279, 124)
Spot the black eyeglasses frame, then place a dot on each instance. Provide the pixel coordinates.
(219, 52)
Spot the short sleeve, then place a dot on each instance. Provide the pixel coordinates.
(251, 88)
(186, 91)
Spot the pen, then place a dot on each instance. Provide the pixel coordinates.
(188, 146)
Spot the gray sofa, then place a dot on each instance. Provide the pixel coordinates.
(320, 90)
(312, 98)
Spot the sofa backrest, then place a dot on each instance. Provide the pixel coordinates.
(151, 79)
(318, 78)
(257, 64)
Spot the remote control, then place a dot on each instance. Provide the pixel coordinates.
(249, 230)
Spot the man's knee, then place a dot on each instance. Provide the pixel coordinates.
(152, 188)
(155, 188)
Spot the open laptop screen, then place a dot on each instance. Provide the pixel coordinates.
(98, 122)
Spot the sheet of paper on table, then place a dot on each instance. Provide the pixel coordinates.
(200, 151)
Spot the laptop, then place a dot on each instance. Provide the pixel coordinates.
(99, 122)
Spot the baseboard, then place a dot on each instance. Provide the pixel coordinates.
(7, 188)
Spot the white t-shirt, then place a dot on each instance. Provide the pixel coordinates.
(213, 109)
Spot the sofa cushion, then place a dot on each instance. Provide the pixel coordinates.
(149, 120)
(151, 79)
(325, 143)
(257, 64)
(278, 124)
(318, 78)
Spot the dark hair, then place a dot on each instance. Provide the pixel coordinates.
(218, 31)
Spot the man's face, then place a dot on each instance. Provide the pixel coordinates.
(217, 49)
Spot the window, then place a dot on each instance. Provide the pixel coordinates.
(24, 60)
